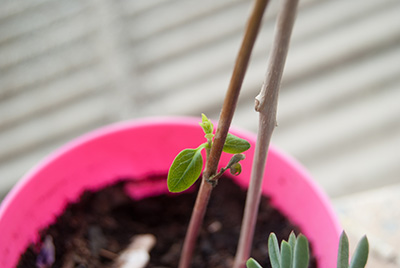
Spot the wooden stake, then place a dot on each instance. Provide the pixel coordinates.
(266, 105)
(224, 122)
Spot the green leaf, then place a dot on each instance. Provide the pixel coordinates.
(252, 263)
(343, 252)
(185, 170)
(286, 255)
(235, 145)
(236, 169)
(292, 242)
(301, 252)
(360, 257)
(273, 251)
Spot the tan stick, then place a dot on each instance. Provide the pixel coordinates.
(225, 120)
(266, 105)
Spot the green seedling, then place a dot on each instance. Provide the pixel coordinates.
(360, 256)
(295, 253)
(188, 164)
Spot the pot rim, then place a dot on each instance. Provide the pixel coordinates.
(276, 156)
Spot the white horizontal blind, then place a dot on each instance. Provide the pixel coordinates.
(67, 67)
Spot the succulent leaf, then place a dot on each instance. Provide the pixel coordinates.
(360, 257)
(252, 263)
(292, 242)
(343, 252)
(273, 251)
(286, 255)
(301, 252)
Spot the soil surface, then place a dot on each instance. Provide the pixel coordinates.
(92, 232)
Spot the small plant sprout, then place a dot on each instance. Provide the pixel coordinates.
(188, 164)
(360, 257)
(293, 253)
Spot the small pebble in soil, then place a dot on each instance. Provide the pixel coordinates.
(136, 255)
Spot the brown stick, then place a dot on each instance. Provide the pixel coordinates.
(225, 120)
(266, 105)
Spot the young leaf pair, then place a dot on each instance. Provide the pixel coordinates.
(188, 164)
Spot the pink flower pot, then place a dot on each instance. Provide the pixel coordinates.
(139, 149)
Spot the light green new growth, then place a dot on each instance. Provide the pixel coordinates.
(291, 254)
(188, 164)
(360, 257)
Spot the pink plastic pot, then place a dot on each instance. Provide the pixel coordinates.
(139, 149)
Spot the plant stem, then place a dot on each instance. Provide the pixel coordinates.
(225, 120)
(266, 105)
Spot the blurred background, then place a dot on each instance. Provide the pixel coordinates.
(67, 67)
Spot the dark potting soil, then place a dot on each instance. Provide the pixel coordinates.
(93, 231)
